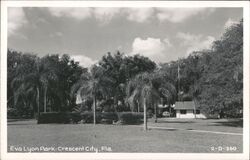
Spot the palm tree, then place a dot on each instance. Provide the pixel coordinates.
(148, 88)
(141, 88)
(34, 81)
(165, 88)
(47, 73)
(91, 84)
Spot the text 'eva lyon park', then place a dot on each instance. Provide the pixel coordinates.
(120, 101)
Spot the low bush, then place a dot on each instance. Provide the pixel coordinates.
(12, 113)
(88, 117)
(106, 121)
(130, 117)
(75, 117)
(109, 116)
(54, 117)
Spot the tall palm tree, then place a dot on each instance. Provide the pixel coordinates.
(165, 88)
(141, 88)
(34, 81)
(47, 73)
(148, 88)
(91, 84)
(27, 81)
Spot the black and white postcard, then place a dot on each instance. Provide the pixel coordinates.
(125, 80)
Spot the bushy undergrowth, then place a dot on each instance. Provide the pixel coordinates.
(53, 117)
(88, 117)
(130, 117)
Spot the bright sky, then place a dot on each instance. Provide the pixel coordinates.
(86, 34)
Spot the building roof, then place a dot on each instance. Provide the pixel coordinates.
(184, 105)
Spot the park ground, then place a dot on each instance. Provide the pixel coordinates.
(168, 135)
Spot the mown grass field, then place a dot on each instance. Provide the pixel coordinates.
(131, 138)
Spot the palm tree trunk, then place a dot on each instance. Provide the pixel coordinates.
(14, 99)
(115, 103)
(170, 110)
(155, 105)
(138, 105)
(94, 108)
(45, 97)
(145, 114)
(194, 109)
(37, 102)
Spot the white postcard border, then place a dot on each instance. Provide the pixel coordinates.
(180, 4)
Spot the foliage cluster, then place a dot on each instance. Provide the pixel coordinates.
(87, 117)
(213, 78)
(54, 117)
(117, 83)
(41, 81)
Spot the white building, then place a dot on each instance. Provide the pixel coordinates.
(187, 109)
(79, 99)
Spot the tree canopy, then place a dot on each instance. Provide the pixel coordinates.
(212, 78)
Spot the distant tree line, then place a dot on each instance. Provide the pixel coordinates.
(40, 84)
(212, 78)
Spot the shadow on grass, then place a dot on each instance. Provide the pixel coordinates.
(230, 123)
(175, 122)
(165, 129)
(18, 120)
(20, 124)
(133, 123)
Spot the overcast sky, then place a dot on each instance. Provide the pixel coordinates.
(86, 34)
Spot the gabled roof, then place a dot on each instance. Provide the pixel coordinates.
(184, 105)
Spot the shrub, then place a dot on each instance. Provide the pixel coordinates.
(12, 113)
(101, 117)
(110, 116)
(75, 117)
(106, 121)
(54, 117)
(88, 117)
(130, 117)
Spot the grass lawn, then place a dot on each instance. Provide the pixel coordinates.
(221, 125)
(129, 138)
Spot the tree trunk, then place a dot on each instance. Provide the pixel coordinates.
(145, 114)
(37, 102)
(138, 105)
(155, 106)
(170, 110)
(45, 97)
(94, 108)
(115, 103)
(194, 109)
(14, 99)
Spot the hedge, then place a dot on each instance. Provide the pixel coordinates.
(59, 117)
(130, 117)
(12, 113)
(110, 116)
(75, 117)
(87, 117)
(53, 117)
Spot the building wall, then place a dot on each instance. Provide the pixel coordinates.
(189, 114)
(78, 99)
(200, 115)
